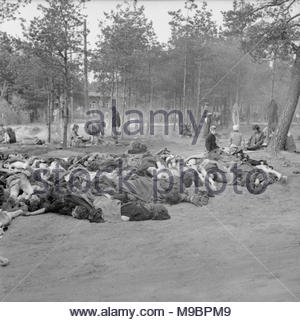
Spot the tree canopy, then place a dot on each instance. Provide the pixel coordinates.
(245, 60)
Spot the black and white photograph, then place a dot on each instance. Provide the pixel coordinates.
(150, 152)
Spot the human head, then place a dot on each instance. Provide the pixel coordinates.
(3, 223)
(80, 212)
(34, 203)
(256, 128)
(213, 129)
(159, 212)
(188, 179)
(75, 127)
(235, 128)
(2, 231)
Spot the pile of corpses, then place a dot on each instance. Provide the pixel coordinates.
(103, 187)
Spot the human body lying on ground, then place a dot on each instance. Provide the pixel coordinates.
(234, 168)
(225, 163)
(21, 194)
(256, 140)
(5, 220)
(101, 172)
(21, 189)
(166, 189)
(88, 187)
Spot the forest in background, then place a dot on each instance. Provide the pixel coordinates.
(202, 63)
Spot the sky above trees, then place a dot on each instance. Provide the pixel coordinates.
(155, 10)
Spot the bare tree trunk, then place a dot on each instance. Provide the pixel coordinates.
(272, 117)
(248, 113)
(85, 65)
(184, 84)
(273, 78)
(50, 109)
(286, 117)
(117, 88)
(124, 104)
(65, 120)
(4, 89)
(48, 115)
(129, 96)
(198, 108)
(135, 94)
(238, 88)
(150, 98)
(113, 84)
(174, 108)
(66, 101)
(71, 119)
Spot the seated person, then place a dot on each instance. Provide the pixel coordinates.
(235, 139)
(268, 134)
(76, 139)
(9, 136)
(6, 137)
(210, 142)
(97, 132)
(256, 140)
(290, 144)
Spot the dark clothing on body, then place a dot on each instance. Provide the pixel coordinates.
(210, 142)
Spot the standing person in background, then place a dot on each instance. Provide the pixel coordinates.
(2, 133)
(236, 138)
(236, 114)
(298, 117)
(207, 121)
(116, 123)
(207, 124)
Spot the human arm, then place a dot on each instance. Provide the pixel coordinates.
(35, 213)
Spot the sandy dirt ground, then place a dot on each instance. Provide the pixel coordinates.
(238, 248)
